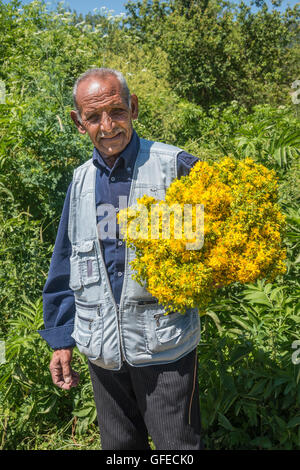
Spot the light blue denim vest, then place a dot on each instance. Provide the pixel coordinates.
(136, 331)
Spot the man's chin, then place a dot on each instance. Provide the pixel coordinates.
(110, 150)
(112, 147)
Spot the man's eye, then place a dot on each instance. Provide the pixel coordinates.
(92, 118)
(114, 114)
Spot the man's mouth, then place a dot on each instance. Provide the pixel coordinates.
(110, 137)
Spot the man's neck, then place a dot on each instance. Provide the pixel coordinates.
(110, 161)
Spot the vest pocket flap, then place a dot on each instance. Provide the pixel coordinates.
(87, 312)
(85, 247)
(81, 338)
(168, 327)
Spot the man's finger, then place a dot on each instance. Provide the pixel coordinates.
(67, 371)
(67, 386)
(56, 374)
(61, 372)
(75, 378)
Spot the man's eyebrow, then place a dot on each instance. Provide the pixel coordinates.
(91, 112)
(96, 110)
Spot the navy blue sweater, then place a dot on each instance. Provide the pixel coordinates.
(58, 298)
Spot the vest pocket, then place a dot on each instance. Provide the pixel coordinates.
(84, 268)
(88, 329)
(75, 279)
(156, 191)
(166, 331)
(170, 328)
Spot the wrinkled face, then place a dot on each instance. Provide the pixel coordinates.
(105, 115)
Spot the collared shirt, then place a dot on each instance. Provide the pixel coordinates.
(58, 298)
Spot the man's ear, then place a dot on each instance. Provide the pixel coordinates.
(78, 124)
(134, 107)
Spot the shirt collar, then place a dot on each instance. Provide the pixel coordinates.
(128, 155)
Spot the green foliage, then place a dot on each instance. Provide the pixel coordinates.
(210, 78)
(29, 402)
(249, 388)
(219, 51)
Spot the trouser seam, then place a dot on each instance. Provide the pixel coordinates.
(193, 390)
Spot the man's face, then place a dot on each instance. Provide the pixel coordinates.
(105, 114)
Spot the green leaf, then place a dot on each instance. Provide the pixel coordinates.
(216, 320)
(258, 387)
(281, 380)
(225, 422)
(268, 389)
(82, 412)
(240, 322)
(258, 298)
(239, 352)
(262, 441)
(295, 421)
(51, 404)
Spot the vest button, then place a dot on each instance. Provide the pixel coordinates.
(120, 274)
(112, 178)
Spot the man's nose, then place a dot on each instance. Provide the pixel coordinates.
(106, 122)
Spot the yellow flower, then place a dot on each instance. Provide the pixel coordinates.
(243, 228)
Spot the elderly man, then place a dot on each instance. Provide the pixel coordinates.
(143, 365)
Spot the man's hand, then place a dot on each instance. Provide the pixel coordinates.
(60, 367)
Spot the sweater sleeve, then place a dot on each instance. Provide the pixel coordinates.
(58, 298)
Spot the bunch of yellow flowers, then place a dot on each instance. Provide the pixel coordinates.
(241, 241)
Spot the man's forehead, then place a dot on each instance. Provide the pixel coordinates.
(99, 88)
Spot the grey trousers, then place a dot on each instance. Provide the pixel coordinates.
(160, 400)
